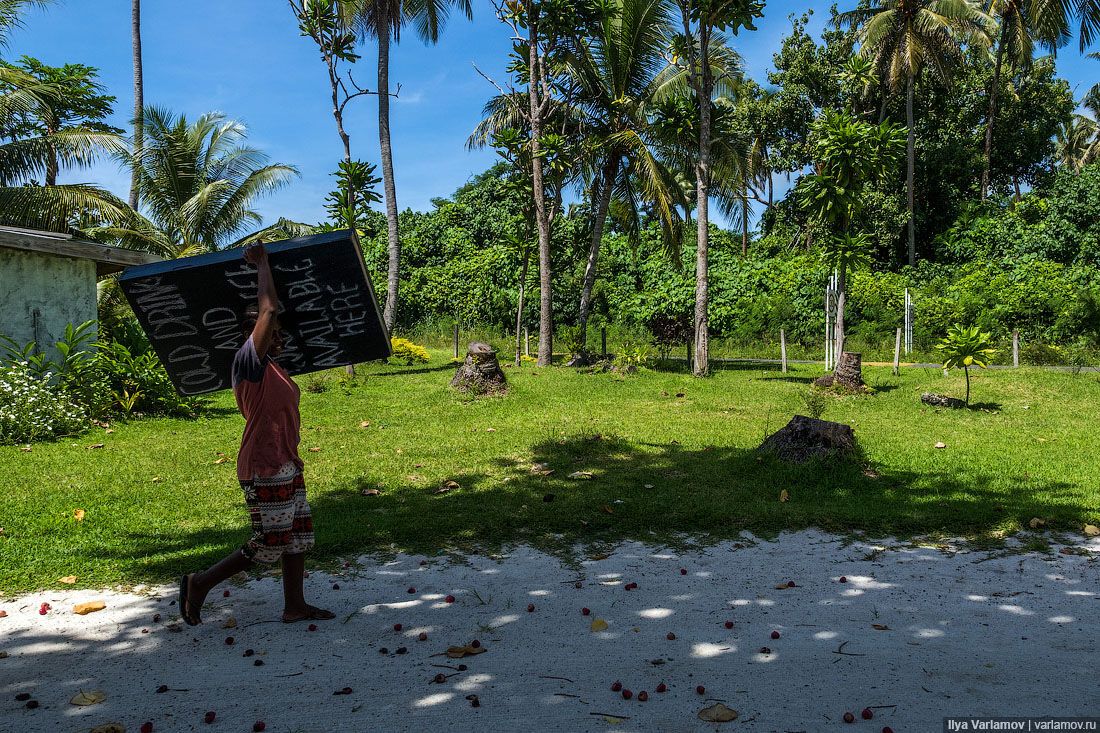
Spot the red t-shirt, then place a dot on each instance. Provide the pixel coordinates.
(268, 398)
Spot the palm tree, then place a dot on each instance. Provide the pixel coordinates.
(24, 158)
(10, 12)
(906, 36)
(1088, 11)
(1077, 143)
(1023, 24)
(383, 20)
(139, 92)
(198, 182)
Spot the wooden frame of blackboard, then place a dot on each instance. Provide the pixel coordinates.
(190, 308)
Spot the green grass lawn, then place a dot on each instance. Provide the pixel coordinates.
(157, 502)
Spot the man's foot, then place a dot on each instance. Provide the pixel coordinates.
(306, 613)
(190, 604)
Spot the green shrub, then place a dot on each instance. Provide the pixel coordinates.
(407, 353)
(1040, 354)
(33, 409)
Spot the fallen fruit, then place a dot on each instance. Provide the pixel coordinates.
(383, 650)
(662, 687)
(259, 726)
(530, 608)
(226, 594)
(209, 717)
(3, 614)
(643, 696)
(728, 624)
(147, 727)
(462, 668)
(402, 650)
(423, 636)
(475, 643)
(765, 650)
(701, 690)
(791, 584)
(449, 599)
(229, 640)
(475, 702)
(849, 718)
(156, 618)
(578, 584)
(586, 611)
(397, 627)
(336, 586)
(867, 714)
(258, 663)
(248, 653)
(775, 634)
(670, 636)
(411, 590)
(887, 729)
(343, 691)
(312, 627)
(162, 688)
(615, 686)
(423, 563)
(32, 704)
(683, 571)
(23, 696)
(627, 694)
(843, 578)
(440, 678)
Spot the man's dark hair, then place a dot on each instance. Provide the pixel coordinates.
(248, 320)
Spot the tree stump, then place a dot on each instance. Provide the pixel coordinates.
(480, 372)
(847, 375)
(804, 438)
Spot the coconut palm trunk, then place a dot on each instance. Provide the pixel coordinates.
(519, 306)
(139, 95)
(389, 311)
(538, 193)
(702, 218)
(603, 205)
(993, 110)
(910, 164)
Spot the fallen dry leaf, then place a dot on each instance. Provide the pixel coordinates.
(96, 445)
(598, 624)
(91, 697)
(941, 445)
(784, 495)
(606, 509)
(25, 449)
(782, 586)
(3, 655)
(541, 469)
(1091, 530)
(880, 627)
(581, 475)
(157, 479)
(67, 580)
(490, 430)
(717, 713)
(370, 492)
(458, 652)
(84, 609)
(220, 461)
(109, 728)
(447, 486)
(314, 449)
(3, 614)
(1036, 522)
(230, 623)
(108, 431)
(78, 515)
(365, 424)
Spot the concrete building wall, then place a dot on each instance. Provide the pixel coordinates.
(41, 293)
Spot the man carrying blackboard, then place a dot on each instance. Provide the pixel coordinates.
(268, 466)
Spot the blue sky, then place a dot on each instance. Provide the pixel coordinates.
(246, 59)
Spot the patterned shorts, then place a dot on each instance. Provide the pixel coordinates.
(281, 521)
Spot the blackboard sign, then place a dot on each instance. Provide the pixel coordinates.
(191, 308)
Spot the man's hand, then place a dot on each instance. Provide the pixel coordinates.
(255, 253)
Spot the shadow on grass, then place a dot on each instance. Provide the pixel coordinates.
(646, 491)
(421, 370)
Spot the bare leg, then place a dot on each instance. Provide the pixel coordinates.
(200, 584)
(295, 607)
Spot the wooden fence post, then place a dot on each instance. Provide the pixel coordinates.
(456, 339)
(1016, 348)
(783, 348)
(689, 355)
(897, 353)
(603, 341)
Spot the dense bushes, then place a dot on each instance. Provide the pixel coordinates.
(32, 408)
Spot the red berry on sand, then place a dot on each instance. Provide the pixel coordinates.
(475, 643)
(423, 563)
(728, 624)
(643, 696)
(147, 727)
(701, 690)
(867, 714)
(23, 696)
(32, 704)
(209, 717)
(383, 650)
(440, 678)
(775, 634)
(843, 578)
(423, 636)
(226, 594)
(449, 599)
(849, 718)
(42, 611)
(683, 571)
(530, 608)
(586, 611)
(336, 586)
(627, 694)
(312, 627)
(462, 668)
(397, 627)
(670, 636)
(662, 687)
(887, 729)
(412, 590)
(616, 686)
(259, 726)
(162, 688)
(229, 640)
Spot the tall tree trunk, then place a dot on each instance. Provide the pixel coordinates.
(993, 111)
(745, 221)
(389, 312)
(139, 97)
(702, 233)
(910, 164)
(841, 302)
(519, 306)
(603, 204)
(51, 155)
(538, 192)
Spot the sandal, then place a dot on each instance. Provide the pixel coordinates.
(185, 612)
(314, 614)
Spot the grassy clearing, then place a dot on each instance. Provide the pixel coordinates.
(157, 502)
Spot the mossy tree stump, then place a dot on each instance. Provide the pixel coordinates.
(847, 375)
(480, 372)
